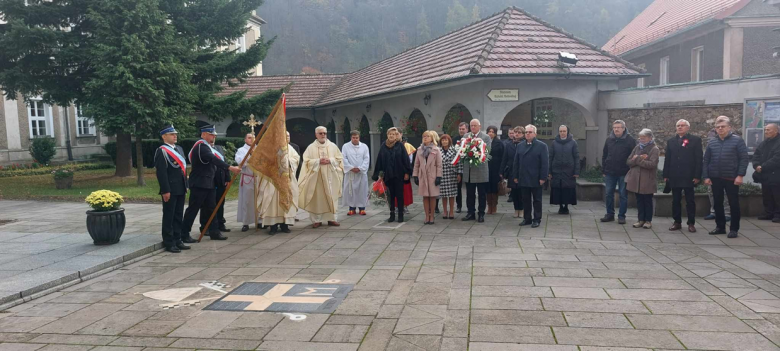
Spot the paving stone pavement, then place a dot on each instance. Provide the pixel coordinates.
(572, 284)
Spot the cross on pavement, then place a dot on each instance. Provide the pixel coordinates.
(275, 295)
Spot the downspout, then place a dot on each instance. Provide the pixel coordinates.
(67, 135)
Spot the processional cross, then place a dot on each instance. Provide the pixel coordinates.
(252, 123)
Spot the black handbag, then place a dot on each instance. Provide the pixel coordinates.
(756, 177)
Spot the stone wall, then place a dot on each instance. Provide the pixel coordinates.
(662, 120)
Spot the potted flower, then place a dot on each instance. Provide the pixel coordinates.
(63, 178)
(106, 220)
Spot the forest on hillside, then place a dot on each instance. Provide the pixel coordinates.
(337, 36)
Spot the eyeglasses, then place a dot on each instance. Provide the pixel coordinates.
(721, 127)
(321, 133)
(529, 132)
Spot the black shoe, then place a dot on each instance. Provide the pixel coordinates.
(765, 217)
(400, 217)
(222, 228)
(560, 210)
(181, 246)
(621, 220)
(172, 249)
(481, 219)
(188, 240)
(245, 228)
(732, 234)
(458, 210)
(273, 230)
(469, 217)
(776, 220)
(717, 231)
(218, 236)
(535, 224)
(565, 211)
(525, 223)
(608, 218)
(436, 210)
(285, 228)
(392, 218)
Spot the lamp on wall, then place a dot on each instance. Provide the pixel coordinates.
(427, 99)
(333, 112)
(567, 58)
(368, 108)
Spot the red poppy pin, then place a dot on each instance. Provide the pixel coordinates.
(685, 143)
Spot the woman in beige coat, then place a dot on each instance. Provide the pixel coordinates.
(427, 173)
(641, 178)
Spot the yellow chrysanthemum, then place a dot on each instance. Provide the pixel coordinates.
(104, 200)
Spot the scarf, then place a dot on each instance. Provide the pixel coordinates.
(390, 144)
(643, 146)
(426, 150)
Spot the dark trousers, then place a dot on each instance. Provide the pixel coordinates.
(771, 195)
(202, 200)
(459, 197)
(221, 210)
(472, 189)
(690, 205)
(644, 205)
(517, 199)
(528, 203)
(719, 185)
(395, 193)
(173, 213)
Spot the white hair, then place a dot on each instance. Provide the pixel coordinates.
(321, 128)
(475, 120)
(646, 132)
(530, 126)
(684, 122)
(723, 119)
(288, 133)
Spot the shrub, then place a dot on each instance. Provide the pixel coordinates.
(40, 170)
(150, 146)
(230, 153)
(62, 173)
(42, 149)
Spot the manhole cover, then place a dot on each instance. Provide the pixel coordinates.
(283, 297)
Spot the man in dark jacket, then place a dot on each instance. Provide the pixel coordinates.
(530, 168)
(766, 162)
(682, 172)
(617, 148)
(515, 196)
(712, 135)
(221, 181)
(205, 162)
(725, 165)
(172, 175)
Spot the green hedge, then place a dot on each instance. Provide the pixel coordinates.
(149, 147)
(47, 170)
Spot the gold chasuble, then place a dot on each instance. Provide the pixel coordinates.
(320, 185)
(270, 159)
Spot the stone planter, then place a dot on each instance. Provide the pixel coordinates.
(589, 191)
(751, 205)
(106, 227)
(663, 205)
(64, 183)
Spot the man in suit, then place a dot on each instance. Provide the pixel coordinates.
(766, 162)
(221, 181)
(531, 167)
(171, 169)
(476, 177)
(205, 163)
(682, 172)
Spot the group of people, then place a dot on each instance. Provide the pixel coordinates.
(520, 166)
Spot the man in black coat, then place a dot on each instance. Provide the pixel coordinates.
(205, 163)
(766, 162)
(531, 167)
(171, 169)
(221, 181)
(617, 148)
(682, 172)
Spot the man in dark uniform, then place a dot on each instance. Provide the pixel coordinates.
(221, 180)
(172, 175)
(205, 163)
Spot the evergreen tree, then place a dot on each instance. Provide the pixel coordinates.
(423, 30)
(457, 16)
(475, 13)
(134, 65)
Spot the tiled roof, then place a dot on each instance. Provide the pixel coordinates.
(511, 42)
(305, 91)
(664, 18)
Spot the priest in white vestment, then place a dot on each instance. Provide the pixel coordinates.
(270, 211)
(321, 178)
(356, 161)
(247, 187)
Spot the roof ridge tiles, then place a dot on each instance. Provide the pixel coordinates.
(491, 43)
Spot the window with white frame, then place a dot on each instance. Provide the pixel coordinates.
(84, 125)
(696, 61)
(241, 43)
(543, 113)
(39, 116)
(640, 82)
(663, 74)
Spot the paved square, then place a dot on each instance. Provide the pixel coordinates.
(277, 297)
(572, 284)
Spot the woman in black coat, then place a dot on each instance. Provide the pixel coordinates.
(494, 168)
(506, 170)
(393, 165)
(564, 170)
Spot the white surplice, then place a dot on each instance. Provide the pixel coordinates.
(355, 191)
(247, 190)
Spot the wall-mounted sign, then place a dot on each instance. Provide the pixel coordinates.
(757, 114)
(496, 95)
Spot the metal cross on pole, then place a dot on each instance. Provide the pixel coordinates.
(252, 123)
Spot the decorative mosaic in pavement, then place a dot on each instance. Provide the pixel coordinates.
(280, 297)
